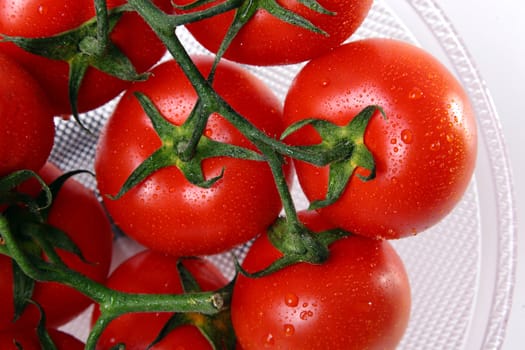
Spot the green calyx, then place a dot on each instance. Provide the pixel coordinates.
(85, 46)
(184, 147)
(216, 328)
(27, 221)
(298, 245)
(342, 148)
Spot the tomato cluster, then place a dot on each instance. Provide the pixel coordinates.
(198, 158)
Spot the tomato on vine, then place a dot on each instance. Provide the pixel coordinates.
(41, 19)
(268, 38)
(424, 150)
(94, 237)
(358, 299)
(231, 200)
(152, 272)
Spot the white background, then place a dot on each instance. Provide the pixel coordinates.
(494, 33)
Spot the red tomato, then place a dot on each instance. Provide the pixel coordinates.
(42, 18)
(425, 150)
(151, 272)
(26, 120)
(77, 212)
(266, 40)
(358, 299)
(29, 341)
(166, 212)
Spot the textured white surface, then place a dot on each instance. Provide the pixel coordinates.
(493, 33)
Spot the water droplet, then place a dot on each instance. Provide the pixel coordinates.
(435, 146)
(291, 300)
(325, 83)
(450, 137)
(42, 9)
(415, 93)
(406, 136)
(393, 140)
(269, 340)
(208, 132)
(289, 330)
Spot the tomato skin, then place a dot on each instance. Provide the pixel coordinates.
(28, 339)
(26, 120)
(49, 17)
(94, 237)
(152, 272)
(266, 40)
(358, 299)
(166, 212)
(425, 151)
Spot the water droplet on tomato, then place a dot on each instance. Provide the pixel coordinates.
(42, 9)
(269, 340)
(325, 83)
(450, 137)
(289, 330)
(208, 132)
(415, 93)
(291, 300)
(435, 146)
(406, 136)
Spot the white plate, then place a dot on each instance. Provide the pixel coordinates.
(462, 270)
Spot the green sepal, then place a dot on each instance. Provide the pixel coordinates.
(23, 287)
(291, 17)
(9, 195)
(80, 47)
(217, 328)
(41, 330)
(316, 6)
(297, 245)
(342, 148)
(173, 140)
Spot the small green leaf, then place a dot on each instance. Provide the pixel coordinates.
(316, 6)
(41, 330)
(9, 195)
(339, 176)
(290, 17)
(23, 287)
(159, 159)
(189, 284)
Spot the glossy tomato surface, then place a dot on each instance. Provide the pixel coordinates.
(267, 40)
(358, 299)
(425, 149)
(77, 212)
(26, 120)
(45, 18)
(151, 272)
(166, 212)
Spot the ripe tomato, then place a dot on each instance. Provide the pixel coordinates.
(267, 40)
(166, 212)
(358, 299)
(45, 18)
(26, 120)
(151, 272)
(28, 340)
(77, 212)
(424, 151)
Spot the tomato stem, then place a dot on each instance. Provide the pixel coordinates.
(112, 303)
